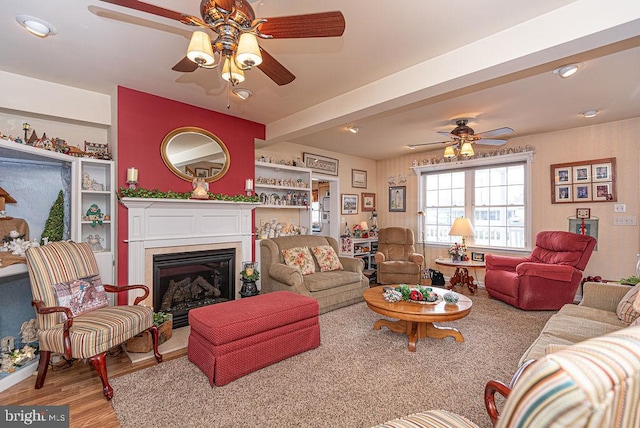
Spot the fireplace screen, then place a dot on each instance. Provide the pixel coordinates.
(183, 281)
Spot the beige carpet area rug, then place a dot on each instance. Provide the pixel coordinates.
(358, 377)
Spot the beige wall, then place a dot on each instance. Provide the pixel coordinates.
(288, 151)
(617, 245)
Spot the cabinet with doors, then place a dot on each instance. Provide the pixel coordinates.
(96, 211)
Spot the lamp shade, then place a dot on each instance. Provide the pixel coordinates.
(231, 72)
(364, 225)
(462, 227)
(466, 149)
(248, 54)
(449, 152)
(200, 50)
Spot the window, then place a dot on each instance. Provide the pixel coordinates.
(491, 192)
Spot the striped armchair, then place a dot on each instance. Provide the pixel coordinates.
(595, 383)
(72, 323)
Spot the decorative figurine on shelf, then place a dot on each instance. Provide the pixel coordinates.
(89, 183)
(201, 189)
(94, 215)
(249, 275)
(94, 242)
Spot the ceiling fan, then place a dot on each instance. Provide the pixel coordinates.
(237, 30)
(463, 133)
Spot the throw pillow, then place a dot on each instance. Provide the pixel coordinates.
(625, 311)
(299, 257)
(327, 258)
(81, 295)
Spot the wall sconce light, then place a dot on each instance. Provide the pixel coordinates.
(132, 177)
(248, 186)
(26, 127)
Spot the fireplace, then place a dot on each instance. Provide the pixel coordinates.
(169, 226)
(187, 280)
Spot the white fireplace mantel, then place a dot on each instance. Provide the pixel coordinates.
(166, 223)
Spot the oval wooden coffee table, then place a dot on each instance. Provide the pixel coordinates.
(416, 319)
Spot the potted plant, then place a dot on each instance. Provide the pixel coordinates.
(143, 341)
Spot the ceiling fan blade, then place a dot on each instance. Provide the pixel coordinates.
(274, 70)
(326, 24)
(430, 144)
(157, 10)
(495, 132)
(185, 65)
(445, 133)
(490, 142)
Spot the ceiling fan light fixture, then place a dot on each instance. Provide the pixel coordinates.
(231, 72)
(248, 53)
(466, 149)
(36, 26)
(567, 70)
(200, 50)
(449, 152)
(590, 113)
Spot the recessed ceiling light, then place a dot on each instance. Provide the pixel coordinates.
(354, 129)
(567, 70)
(36, 26)
(243, 93)
(590, 113)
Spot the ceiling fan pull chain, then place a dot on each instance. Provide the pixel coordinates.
(228, 95)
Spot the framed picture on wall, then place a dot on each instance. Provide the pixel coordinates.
(348, 204)
(583, 226)
(320, 164)
(368, 201)
(202, 172)
(358, 178)
(591, 180)
(397, 199)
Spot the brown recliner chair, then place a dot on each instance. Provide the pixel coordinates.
(396, 258)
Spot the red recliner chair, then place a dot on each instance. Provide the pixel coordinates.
(547, 279)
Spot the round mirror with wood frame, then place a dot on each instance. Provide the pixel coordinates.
(191, 152)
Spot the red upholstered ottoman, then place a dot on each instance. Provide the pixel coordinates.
(231, 339)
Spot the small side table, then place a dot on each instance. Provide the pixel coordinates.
(461, 276)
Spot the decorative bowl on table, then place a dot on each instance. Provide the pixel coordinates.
(392, 295)
(419, 294)
(451, 298)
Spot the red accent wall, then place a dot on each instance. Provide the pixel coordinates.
(144, 120)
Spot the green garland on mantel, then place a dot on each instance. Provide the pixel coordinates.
(126, 192)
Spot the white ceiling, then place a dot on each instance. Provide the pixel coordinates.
(402, 71)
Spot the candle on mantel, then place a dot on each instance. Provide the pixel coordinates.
(132, 175)
(248, 184)
(248, 271)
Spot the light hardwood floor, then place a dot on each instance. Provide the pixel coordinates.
(79, 387)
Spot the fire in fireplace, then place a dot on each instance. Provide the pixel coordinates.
(184, 281)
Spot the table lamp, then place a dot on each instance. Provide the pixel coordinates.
(462, 227)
